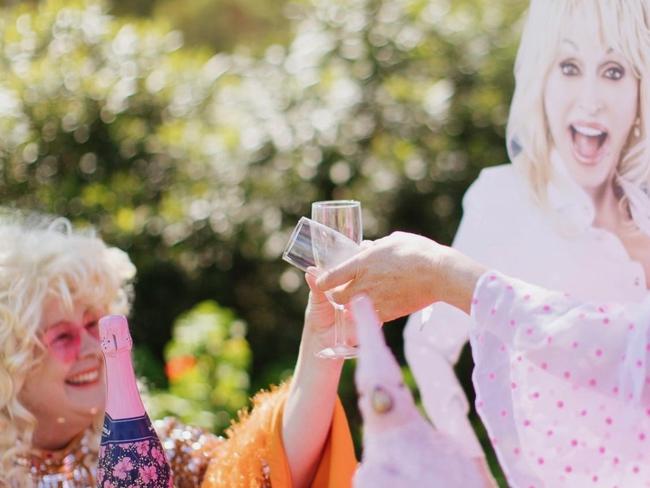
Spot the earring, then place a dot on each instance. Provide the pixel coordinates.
(637, 128)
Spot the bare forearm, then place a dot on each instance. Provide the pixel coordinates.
(456, 279)
(308, 411)
(403, 273)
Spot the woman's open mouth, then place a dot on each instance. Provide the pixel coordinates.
(588, 142)
(85, 378)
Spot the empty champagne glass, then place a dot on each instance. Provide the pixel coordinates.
(315, 245)
(343, 216)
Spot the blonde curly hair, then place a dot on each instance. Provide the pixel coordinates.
(41, 258)
(625, 26)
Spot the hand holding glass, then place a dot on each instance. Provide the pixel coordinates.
(343, 216)
(315, 245)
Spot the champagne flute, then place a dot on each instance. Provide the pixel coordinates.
(314, 245)
(343, 216)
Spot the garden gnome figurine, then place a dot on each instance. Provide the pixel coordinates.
(400, 448)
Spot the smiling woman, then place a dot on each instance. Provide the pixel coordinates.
(572, 211)
(55, 283)
(591, 102)
(589, 98)
(70, 376)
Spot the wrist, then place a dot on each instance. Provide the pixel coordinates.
(311, 343)
(438, 271)
(459, 275)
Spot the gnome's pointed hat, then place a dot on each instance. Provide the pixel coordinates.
(375, 358)
(378, 375)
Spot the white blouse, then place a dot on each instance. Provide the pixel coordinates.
(557, 248)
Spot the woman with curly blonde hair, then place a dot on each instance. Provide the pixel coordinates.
(55, 283)
(49, 365)
(572, 210)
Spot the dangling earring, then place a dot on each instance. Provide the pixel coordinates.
(637, 128)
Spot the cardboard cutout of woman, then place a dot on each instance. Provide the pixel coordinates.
(572, 211)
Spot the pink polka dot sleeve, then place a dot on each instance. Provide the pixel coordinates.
(562, 386)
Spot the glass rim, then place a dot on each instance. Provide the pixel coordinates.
(302, 221)
(286, 256)
(336, 203)
(292, 237)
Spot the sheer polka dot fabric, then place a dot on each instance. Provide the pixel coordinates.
(562, 386)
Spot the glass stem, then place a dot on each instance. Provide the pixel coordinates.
(339, 330)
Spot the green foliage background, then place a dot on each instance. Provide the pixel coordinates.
(194, 134)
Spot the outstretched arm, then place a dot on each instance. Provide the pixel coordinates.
(404, 272)
(295, 435)
(308, 412)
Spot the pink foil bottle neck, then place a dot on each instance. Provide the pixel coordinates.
(122, 395)
(114, 334)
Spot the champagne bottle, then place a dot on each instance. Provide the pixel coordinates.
(130, 452)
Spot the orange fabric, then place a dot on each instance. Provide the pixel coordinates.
(253, 455)
(337, 464)
(242, 460)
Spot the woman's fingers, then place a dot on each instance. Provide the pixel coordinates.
(317, 295)
(337, 276)
(310, 278)
(344, 293)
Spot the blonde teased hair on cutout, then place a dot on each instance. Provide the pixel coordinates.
(625, 26)
(43, 258)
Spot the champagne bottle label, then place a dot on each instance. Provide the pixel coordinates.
(142, 464)
(126, 430)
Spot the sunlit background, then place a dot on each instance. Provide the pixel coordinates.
(193, 135)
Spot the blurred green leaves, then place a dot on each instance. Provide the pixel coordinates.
(206, 362)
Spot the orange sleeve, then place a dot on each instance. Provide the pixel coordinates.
(253, 454)
(337, 463)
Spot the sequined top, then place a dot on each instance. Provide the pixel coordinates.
(252, 455)
(188, 450)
